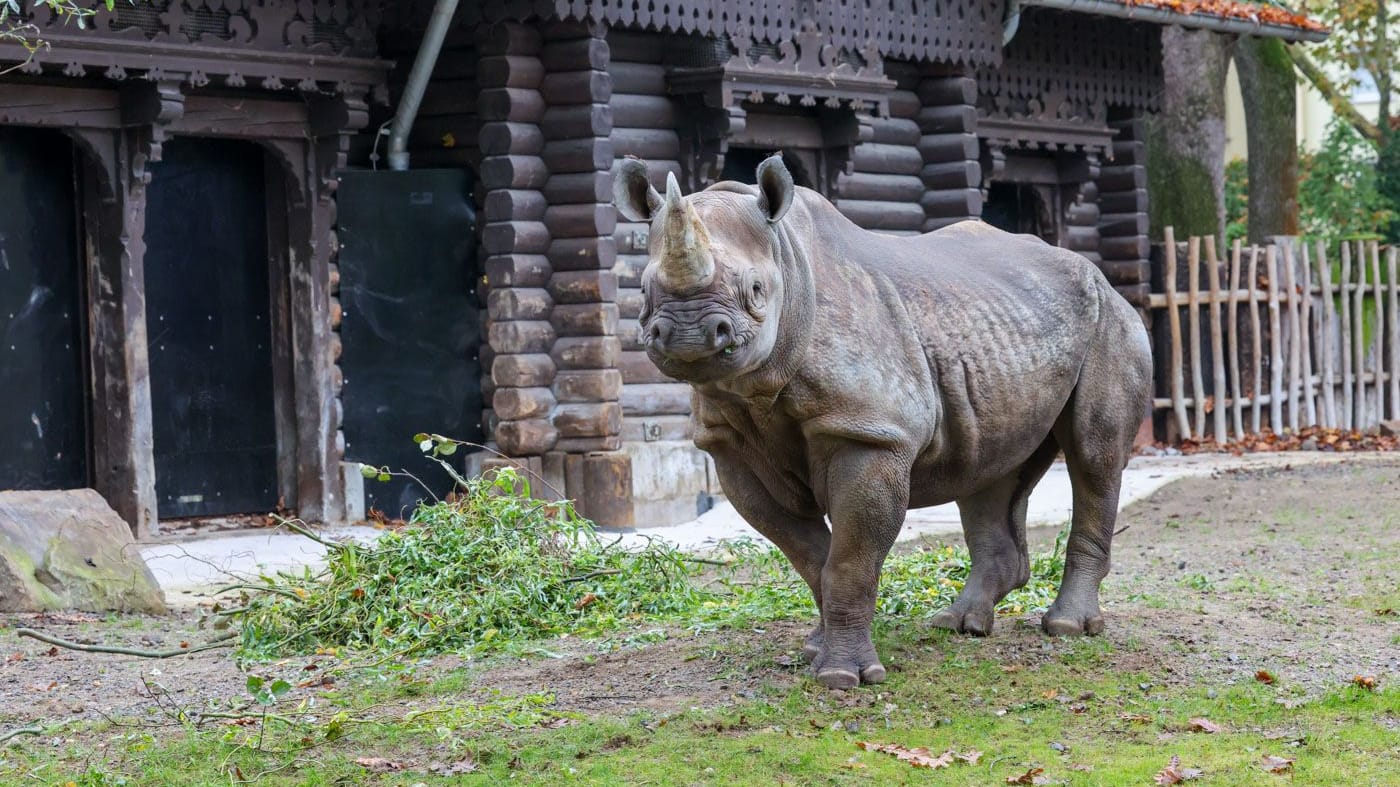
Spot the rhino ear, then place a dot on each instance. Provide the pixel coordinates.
(633, 193)
(775, 188)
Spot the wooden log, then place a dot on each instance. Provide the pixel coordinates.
(585, 286)
(945, 119)
(646, 79)
(521, 336)
(947, 90)
(1325, 345)
(607, 496)
(519, 303)
(904, 103)
(517, 270)
(589, 154)
(1305, 335)
(584, 319)
(1378, 332)
(954, 203)
(512, 37)
(1394, 273)
(629, 268)
(1178, 384)
(1236, 392)
(503, 205)
(885, 188)
(629, 308)
(656, 427)
(1081, 239)
(586, 352)
(935, 148)
(951, 175)
(588, 385)
(587, 446)
(882, 215)
(519, 105)
(1217, 344)
(887, 159)
(1127, 271)
(1295, 344)
(1122, 178)
(512, 71)
(1118, 202)
(643, 111)
(588, 419)
(1344, 328)
(514, 404)
(1129, 150)
(1358, 341)
(587, 253)
(570, 188)
(530, 437)
(513, 172)
(1112, 225)
(575, 54)
(1257, 342)
(903, 132)
(1275, 343)
(576, 87)
(1193, 322)
(1136, 247)
(656, 399)
(524, 237)
(503, 138)
(576, 120)
(637, 368)
(646, 143)
(522, 371)
(582, 220)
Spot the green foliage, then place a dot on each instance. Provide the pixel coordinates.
(1338, 189)
(1236, 201)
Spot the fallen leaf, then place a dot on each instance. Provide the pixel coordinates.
(587, 599)
(51, 652)
(1201, 724)
(1387, 612)
(1029, 777)
(919, 757)
(453, 768)
(379, 764)
(1264, 676)
(1365, 681)
(1050, 694)
(970, 757)
(1274, 764)
(1175, 774)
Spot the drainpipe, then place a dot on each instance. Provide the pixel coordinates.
(418, 82)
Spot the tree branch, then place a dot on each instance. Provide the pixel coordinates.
(1339, 102)
(217, 642)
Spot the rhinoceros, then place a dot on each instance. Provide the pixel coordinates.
(849, 376)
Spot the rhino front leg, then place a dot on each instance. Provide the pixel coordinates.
(804, 540)
(867, 494)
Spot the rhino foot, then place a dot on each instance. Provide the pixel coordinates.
(1069, 622)
(812, 646)
(838, 671)
(970, 618)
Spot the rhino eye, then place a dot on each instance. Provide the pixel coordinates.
(752, 293)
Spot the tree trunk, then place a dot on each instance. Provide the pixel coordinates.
(1186, 138)
(1270, 93)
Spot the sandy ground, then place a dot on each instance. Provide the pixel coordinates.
(1289, 570)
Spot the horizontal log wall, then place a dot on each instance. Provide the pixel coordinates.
(881, 191)
(1122, 220)
(644, 125)
(948, 145)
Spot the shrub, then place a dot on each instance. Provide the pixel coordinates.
(1338, 189)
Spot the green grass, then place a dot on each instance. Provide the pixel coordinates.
(944, 693)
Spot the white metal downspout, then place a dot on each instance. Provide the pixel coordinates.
(417, 83)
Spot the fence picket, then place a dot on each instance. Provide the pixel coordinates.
(1358, 339)
(1295, 344)
(1174, 327)
(1275, 344)
(1344, 349)
(1193, 321)
(1326, 347)
(1257, 341)
(1378, 328)
(1236, 393)
(1217, 351)
(1305, 335)
(1391, 268)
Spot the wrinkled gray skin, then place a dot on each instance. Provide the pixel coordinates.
(845, 375)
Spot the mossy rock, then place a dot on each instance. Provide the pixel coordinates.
(69, 550)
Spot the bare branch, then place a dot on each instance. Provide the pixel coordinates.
(218, 642)
(1335, 98)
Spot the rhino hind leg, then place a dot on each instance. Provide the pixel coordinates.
(994, 527)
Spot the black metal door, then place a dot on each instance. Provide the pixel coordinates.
(207, 306)
(410, 325)
(43, 403)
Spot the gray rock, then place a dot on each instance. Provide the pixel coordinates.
(1309, 444)
(69, 550)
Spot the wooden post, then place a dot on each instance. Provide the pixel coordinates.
(1391, 268)
(1295, 343)
(1193, 321)
(1305, 335)
(1257, 341)
(1326, 348)
(1275, 344)
(1217, 350)
(1174, 326)
(1348, 384)
(1358, 342)
(1378, 328)
(1236, 394)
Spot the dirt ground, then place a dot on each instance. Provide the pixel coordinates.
(1295, 571)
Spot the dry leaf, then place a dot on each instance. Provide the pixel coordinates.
(1201, 724)
(1029, 777)
(1175, 774)
(970, 757)
(379, 764)
(1264, 676)
(1365, 681)
(452, 768)
(1274, 764)
(588, 598)
(919, 757)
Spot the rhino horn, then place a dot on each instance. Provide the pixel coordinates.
(686, 262)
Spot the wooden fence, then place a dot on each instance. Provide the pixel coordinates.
(1295, 335)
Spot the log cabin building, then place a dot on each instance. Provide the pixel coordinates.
(216, 298)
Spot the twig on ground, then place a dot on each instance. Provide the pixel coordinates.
(607, 572)
(260, 589)
(15, 733)
(217, 642)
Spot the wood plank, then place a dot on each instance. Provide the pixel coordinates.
(1305, 338)
(1295, 343)
(1275, 343)
(1217, 341)
(1344, 349)
(1257, 342)
(1325, 346)
(1391, 267)
(1237, 410)
(1358, 341)
(1193, 322)
(1378, 331)
(1174, 326)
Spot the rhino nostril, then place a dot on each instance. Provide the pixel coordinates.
(724, 334)
(659, 333)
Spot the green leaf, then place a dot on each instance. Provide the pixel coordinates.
(447, 449)
(383, 476)
(254, 684)
(279, 688)
(368, 472)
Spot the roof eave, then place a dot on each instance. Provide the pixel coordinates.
(1220, 24)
